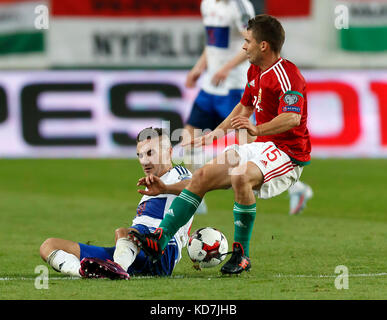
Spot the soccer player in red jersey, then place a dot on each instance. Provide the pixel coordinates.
(276, 92)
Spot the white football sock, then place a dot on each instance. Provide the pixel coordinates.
(64, 262)
(125, 252)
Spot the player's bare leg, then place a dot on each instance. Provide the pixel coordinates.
(194, 158)
(215, 174)
(52, 244)
(244, 179)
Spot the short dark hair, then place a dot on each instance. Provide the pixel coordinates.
(267, 28)
(149, 133)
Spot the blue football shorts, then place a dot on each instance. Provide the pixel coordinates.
(210, 110)
(142, 265)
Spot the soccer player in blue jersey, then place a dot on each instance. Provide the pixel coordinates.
(125, 259)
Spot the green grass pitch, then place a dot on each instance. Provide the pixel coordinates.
(292, 257)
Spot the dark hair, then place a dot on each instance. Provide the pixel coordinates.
(267, 28)
(149, 133)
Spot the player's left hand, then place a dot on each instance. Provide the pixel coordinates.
(241, 122)
(192, 78)
(153, 184)
(219, 77)
(205, 139)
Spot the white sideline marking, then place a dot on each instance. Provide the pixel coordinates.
(33, 278)
(75, 278)
(382, 274)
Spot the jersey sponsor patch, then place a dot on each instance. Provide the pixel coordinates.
(154, 207)
(291, 109)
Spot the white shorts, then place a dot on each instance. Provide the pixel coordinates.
(279, 172)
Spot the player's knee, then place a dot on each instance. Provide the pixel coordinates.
(46, 248)
(120, 233)
(239, 181)
(200, 178)
(246, 176)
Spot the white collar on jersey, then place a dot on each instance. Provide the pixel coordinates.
(272, 67)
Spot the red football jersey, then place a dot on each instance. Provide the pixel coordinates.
(281, 88)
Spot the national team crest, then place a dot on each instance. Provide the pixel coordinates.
(290, 99)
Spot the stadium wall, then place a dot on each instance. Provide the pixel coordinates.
(169, 34)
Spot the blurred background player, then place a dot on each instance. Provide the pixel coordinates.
(223, 65)
(154, 154)
(299, 194)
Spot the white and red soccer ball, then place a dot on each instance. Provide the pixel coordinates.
(207, 247)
